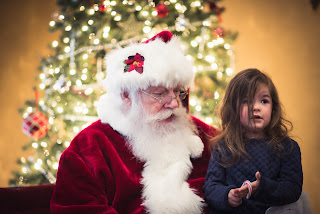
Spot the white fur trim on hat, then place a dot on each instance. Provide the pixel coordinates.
(164, 64)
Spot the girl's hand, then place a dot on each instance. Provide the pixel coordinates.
(256, 183)
(235, 196)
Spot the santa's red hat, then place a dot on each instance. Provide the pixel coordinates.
(157, 61)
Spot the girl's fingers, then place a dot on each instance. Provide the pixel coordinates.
(258, 176)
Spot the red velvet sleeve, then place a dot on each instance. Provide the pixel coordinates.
(77, 189)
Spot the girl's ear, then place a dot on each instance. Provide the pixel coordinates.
(126, 98)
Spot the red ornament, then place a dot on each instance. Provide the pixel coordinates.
(162, 10)
(102, 8)
(213, 6)
(218, 32)
(36, 125)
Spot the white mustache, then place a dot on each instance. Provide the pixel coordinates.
(160, 115)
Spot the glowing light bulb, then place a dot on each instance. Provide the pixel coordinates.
(35, 145)
(78, 83)
(85, 28)
(55, 165)
(44, 144)
(194, 43)
(67, 144)
(214, 66)
(84, 76)
(55, 44)
(210, 44)
(60, 110)
(85, 56)
(85, 111)
(117, 18)
(145, 13)
(88, 91)
(36, 166)
(29, 109)
(216, 95)
(198, 108)
(68, 28)
(91, 11)
(227, 46)
(76, 129)
(24, 170)
(147, 29)
(96, 41)
(66, 40)
(210, 58)
(229, 71)
(67, 49)
(52, 23)
(193, 102)
(90, 22)
(209, 120)
(220, 40)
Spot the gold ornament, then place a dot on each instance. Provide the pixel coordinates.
(131, 27)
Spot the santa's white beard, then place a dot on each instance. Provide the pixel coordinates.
(166, 148)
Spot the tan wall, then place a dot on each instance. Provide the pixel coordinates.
(279, 37)
(24, 39)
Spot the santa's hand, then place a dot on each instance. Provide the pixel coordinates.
(234, 197)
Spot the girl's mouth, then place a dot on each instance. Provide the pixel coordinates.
(256, 117)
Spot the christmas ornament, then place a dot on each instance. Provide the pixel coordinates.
(212, 6)
(131, 27)
(162, 10)
(36, 125)
(218, 32)
(102, 8)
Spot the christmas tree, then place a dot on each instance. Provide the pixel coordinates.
(70, 79)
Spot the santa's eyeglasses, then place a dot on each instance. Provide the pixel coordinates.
(164, 98)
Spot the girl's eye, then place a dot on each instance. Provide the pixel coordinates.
(245, 101)
(264, 101)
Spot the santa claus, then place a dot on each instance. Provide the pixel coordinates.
(146, 154)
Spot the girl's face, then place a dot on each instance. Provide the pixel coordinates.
(260, 117)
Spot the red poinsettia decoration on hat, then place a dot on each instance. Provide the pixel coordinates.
(134, 63)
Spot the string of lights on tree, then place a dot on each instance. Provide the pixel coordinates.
(70, 79)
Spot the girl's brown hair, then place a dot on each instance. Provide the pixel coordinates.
(244, 86)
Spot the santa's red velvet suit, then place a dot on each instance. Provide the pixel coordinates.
(103, 174)
(124, 163)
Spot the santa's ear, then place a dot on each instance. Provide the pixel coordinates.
(126, 98)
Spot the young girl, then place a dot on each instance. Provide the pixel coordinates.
(254, 164)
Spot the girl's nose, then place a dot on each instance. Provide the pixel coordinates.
(256, 107)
